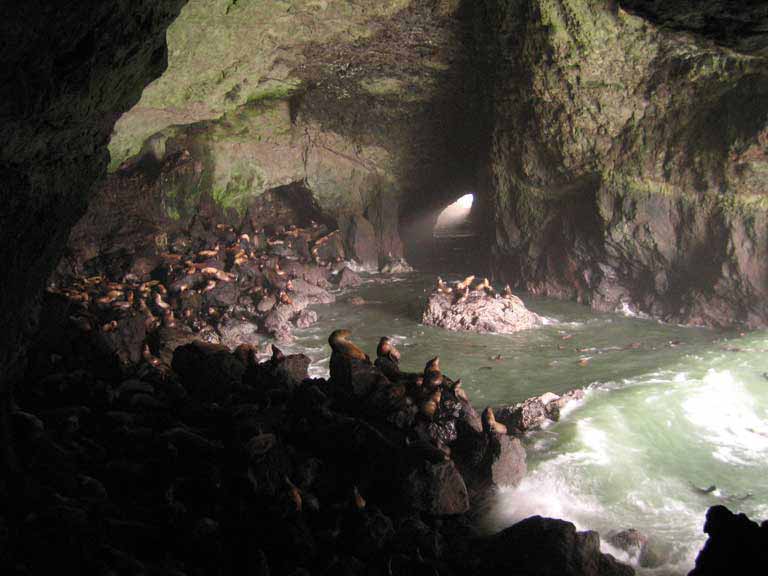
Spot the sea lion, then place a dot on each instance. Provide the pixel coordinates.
(357, 498)
(294, 494)
(339, 342)
(277, 355)
(489, 423)
(464, 284)
(246, 353)
(429, 407)
(386, 349)
(432, 375)
(507, 290)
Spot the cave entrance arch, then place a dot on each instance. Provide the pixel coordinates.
(455, 220)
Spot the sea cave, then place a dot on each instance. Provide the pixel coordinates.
(384, 287)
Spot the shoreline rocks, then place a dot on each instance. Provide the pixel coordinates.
(372, 468)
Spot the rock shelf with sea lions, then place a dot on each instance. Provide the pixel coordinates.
(476, 306)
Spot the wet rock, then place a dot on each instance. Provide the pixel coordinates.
(395, 265)
(540, 546)
(314, 294)
(125, 340)
(306, 318)
(736, 545)
(209, 372)
(360, 241)
(478, 311)
(437, 489)
(329, 248)
(234, 332)
(349, 279)
(535, 412)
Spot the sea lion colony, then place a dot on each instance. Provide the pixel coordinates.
(264, 280)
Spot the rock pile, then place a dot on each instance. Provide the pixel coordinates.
(476, 306)
(221, 464)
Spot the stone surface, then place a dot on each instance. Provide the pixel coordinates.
(736, 545)
(548, 547)
(478, 312)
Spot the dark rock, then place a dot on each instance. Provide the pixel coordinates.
(360, 241)
(736, 545)
(540, 546)
(437, 489)
(209, 372)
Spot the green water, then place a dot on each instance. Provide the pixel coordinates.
(667, 407)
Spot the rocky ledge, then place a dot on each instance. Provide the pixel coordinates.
(221, 464)
(476, 306)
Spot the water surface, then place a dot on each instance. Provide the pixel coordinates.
(667, 409)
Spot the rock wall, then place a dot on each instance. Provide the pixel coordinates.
(67, 72)
(628, 163)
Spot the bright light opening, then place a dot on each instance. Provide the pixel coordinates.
(465, 201)
(454, 219)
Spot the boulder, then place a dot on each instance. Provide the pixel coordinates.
(349, 279)
(535, 411)
(736, 545)
(478, 312)
(540, 546)
(437, 489)
(209, 372)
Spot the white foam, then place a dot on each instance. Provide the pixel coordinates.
(724, 411)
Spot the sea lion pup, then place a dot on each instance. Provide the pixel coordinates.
(489, 423)
(466, 283)
(340, 344)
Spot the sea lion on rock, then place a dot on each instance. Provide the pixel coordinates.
(490, 425)
(339, 342)
(466, 283)
(386, 349)
(433, 377)
(429, 407)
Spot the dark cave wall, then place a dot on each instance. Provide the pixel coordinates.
(628, 163)
(67, 71)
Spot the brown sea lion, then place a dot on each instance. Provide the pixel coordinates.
(433, 376)
(386, 349)
(357, 498)
(489, 423)
(339, 342)
(277, 355)
(466, 283)
(429, 407)
(246, 353)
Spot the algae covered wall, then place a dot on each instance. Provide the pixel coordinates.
(629, 164)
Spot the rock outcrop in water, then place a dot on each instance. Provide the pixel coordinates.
(478, 308)
(535, 412)
(736, 545)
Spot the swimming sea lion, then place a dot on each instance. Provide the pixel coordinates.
(339, 342)
(489, 423)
